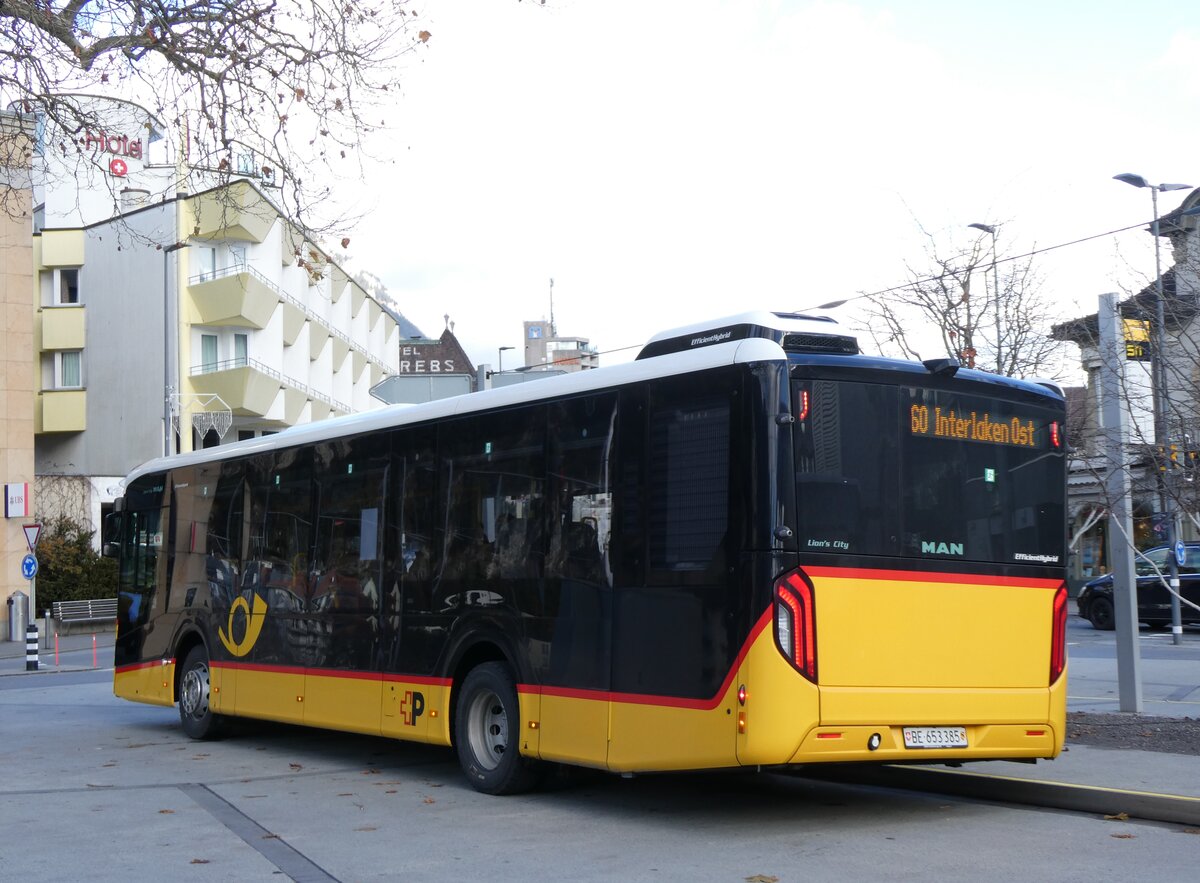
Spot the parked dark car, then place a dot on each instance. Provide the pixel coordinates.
(1154, 600)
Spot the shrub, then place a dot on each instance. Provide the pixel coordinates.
(69, 569)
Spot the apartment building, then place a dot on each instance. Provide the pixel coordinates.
(177, 310)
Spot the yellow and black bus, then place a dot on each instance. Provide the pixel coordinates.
(752, 546)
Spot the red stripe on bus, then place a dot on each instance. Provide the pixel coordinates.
(422, 680)
(926, 576)
(154, 663)
(662, 701)
(334, 673)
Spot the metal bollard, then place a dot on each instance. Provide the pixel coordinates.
(31, 647)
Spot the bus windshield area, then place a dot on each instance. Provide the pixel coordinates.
(916, 472)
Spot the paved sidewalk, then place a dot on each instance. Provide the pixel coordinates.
(74, 652)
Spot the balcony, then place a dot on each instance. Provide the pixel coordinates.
(250, 389)
(238, 211)
(62, 328)
(62, 248)
(61, 410)
(237, 295)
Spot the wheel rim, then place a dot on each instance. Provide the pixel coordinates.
(1104, 614)
(194, 694)
(487, 729)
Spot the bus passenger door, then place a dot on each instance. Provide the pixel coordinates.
(570, 645)
(675, 596)
(343, 682)
(272, 648)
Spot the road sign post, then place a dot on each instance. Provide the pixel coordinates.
(32, 533)
(29, 569)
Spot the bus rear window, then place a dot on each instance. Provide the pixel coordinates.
(922, 473)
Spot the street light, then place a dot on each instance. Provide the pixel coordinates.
(1161, 395)
(500, 358)
(990, 228)
(167, 250)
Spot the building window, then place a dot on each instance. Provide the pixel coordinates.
(67, 286)
(39, 218)
(206, 262)
(68, 369)
(208, 352)
(237, 256)
(241, 350)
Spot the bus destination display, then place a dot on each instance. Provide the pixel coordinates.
(973, 426)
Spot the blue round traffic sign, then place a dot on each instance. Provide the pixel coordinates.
(29, 567)
(1180, 553)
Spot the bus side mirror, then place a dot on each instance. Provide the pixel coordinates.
(112, 528)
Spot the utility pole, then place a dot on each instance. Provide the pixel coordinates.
(1120, 520)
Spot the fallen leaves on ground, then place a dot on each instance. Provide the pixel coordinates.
(1117, 817)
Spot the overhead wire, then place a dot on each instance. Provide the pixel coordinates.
(920, 281)
(1008, 258)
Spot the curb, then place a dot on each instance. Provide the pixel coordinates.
(1117, 803)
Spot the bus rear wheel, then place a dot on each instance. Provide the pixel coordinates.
(487, 730)
(195, 690)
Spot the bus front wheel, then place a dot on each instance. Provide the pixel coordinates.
(195, 690)
(487, 730)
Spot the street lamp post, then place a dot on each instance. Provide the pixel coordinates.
(500, 358)
(990, 228)
(1161, 395)
(167, 250)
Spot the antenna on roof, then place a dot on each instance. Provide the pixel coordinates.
(553, 332)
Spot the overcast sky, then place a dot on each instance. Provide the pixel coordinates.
(674, 160)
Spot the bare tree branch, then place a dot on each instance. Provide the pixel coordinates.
(299, 84)
(951, 304)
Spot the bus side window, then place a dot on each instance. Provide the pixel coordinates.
(138, 577)
(580, 500)
(689, 453)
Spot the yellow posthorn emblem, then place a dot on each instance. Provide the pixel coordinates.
(254, 624)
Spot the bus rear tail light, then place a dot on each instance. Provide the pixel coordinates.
(795, 624)
(1058, 635)
(1056, 438)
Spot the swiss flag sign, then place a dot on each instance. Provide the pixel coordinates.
(118, 167)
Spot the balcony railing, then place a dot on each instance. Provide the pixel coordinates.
(233, 364)
(238, 269)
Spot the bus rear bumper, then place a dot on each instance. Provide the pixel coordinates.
(886, 744)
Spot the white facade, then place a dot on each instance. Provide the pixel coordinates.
(161, 301)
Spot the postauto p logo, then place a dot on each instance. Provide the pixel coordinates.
(253, 625)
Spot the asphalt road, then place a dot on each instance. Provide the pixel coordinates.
(95, 788)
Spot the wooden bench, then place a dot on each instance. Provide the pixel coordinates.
(96, 610)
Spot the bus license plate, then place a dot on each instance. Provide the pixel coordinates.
(935, 737)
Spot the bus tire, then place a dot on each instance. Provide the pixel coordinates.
(1101, 615)
(195, 689)
(487, 731)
